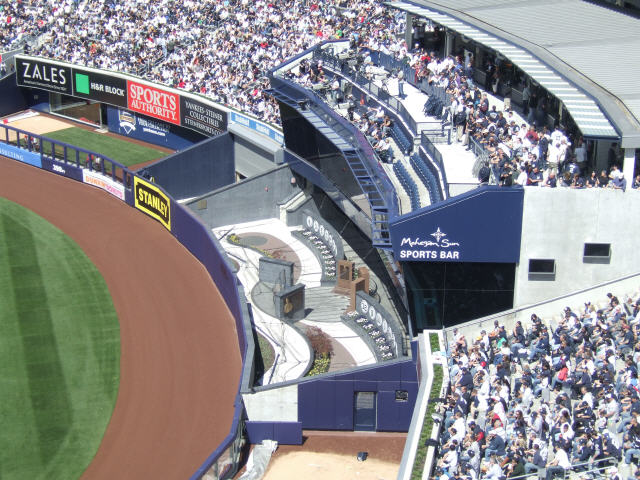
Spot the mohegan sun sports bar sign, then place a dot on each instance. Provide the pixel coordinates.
(484, 225)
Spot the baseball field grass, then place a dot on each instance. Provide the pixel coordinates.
(59, 350)
(127, 153)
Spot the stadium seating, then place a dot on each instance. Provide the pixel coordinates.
(404, 144)
(427, 177)
(408, 184)
(520, 389)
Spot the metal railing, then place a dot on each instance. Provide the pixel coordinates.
(594, 470)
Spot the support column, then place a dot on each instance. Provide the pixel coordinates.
(448, 43)
(601, 158)
(408, 31)
(629, 165)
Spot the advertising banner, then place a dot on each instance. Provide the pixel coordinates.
(105, 183)
(151, 200)
(257, 126)
(21, 155)
(153, 102)
(202, 117)
(162, 103)
(61, 168)
(96, 86)
(43, 74)
(133, 125)
(484, 225)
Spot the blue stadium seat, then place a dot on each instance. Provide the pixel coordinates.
(408, 184)
(427, 177)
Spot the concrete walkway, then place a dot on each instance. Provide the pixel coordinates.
(458, 161)
(291, 347)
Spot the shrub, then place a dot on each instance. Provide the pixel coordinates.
(320, 341)
(321, 363)
(427, 426)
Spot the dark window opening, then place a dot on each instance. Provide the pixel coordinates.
(597, 253)
(542, 269)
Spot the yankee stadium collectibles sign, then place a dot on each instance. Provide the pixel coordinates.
(483, 225)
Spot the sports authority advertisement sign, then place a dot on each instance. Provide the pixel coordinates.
(153, 102)
(96, 86)
(152, 201)
(484, 225)
(105, 183)
(38, 73)
(201, 117)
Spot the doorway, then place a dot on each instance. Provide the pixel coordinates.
(364, 415)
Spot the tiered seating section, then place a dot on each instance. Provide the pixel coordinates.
(404, 144)
(551, 399)
(427, 177)
(408, 184)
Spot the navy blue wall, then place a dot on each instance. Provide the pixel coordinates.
(14, 98)
(151, 130)
(327, 403)
(483, 225)
(197, 170)
(285, 433)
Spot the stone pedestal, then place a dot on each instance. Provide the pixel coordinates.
(289, 303)
(275, 271)
(358, 285)
(345, 276)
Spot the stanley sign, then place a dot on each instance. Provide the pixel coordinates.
(152, 201)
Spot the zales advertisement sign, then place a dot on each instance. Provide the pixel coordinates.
(436, 247)
(43, 74)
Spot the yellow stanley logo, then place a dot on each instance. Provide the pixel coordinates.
(152, 201)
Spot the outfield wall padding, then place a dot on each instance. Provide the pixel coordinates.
(147, 129)
(12, 98)
(198, 169)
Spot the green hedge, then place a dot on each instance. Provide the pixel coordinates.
(434, 342)
(427, 426)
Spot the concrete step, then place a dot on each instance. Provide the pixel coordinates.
(291, 204)
(324, 305)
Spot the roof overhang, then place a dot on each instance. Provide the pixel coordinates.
(596, 112)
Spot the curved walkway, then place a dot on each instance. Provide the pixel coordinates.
(180, 363)
(288, 343)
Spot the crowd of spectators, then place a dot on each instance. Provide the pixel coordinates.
(219, 48)
(546, 400)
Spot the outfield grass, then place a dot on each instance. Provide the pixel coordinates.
(122, 151)
(59, 350)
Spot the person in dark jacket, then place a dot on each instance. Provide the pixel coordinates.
(494, 446)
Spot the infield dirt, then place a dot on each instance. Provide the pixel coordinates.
(180, 362)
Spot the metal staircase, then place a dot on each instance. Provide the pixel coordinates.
(344, 139)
